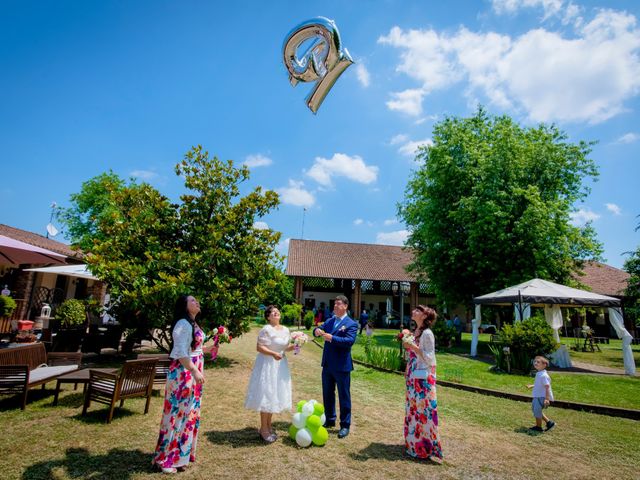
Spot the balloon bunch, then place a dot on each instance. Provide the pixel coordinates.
(307, 424)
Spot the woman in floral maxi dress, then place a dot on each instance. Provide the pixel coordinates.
(178, 436)
(421, 411)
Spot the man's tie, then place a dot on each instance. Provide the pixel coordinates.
(336, 325)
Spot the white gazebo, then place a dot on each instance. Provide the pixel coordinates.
(552, 296)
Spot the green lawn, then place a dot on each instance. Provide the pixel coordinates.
(613, 390)
(482, 437)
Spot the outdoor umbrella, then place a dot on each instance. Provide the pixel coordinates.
(78, 271)
(15, 252)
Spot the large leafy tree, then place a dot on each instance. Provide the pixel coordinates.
(149, 249)
(632, 292)
(490, 204)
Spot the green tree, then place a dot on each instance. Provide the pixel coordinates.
(632, 292)
(490, 204)
(149, 249)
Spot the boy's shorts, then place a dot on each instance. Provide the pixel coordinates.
(537, 405)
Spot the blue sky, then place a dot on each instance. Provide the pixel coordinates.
(131, 86)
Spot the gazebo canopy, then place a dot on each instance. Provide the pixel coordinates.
(538, 292)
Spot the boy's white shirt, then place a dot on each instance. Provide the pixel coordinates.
(542, 379)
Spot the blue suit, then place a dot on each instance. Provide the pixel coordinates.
(336, 368)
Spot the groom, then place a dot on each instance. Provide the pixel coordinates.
(339, 333)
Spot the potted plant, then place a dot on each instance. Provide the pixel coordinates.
(71, 316)
(7, 306)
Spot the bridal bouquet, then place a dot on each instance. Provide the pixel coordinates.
(405, 336)
(219, 335)
(298, 339)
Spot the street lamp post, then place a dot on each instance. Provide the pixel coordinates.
(402, 289)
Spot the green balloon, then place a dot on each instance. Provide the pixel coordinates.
(318, 409)
(320, 436)
(300, 405)
(292, 432)
(313, 422)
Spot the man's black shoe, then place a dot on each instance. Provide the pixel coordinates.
(329, 425)
(343, 432)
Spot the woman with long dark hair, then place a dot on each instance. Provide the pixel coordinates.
(178, 437)
(421, 411)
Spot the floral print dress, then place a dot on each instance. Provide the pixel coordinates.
(181, 416)
(421, 410)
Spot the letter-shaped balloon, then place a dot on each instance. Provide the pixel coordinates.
(323, 61)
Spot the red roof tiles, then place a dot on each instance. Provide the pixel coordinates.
(314, 258)
(39, 241)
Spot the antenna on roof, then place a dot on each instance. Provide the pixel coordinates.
(51, 229)
(304, 212)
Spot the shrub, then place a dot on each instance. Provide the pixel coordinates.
(519, 343)
(7, 306)
(71, 313)
(383, 357)
(291, 313)
(309, 317)
(443, 334)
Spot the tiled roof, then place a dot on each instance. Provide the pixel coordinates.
(313, 258)
(39, 241)
(604, 279)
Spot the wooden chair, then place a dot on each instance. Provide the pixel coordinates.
(162, 367)
(134, 380)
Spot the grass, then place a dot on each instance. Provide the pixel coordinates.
(612, 390)
(483, 437)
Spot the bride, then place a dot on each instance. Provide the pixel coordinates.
(269, 389)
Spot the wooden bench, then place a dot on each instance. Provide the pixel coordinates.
(27, 366)
(601, 340)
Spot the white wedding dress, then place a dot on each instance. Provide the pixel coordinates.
(270, 383)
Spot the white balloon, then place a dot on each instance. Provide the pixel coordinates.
(323, 418)
(303, 437)
(307, 409)
(299, 420)
(313, 401)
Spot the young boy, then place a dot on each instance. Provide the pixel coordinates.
(542, 394)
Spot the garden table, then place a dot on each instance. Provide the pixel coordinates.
(76, 377)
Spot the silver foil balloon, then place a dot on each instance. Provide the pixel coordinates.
(323, 60)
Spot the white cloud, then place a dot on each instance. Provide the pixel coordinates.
(550, 7)
(283, 246)
(410, 149)
(358, 221)
(146, 175)
(613, 208)
(408, 102)
(260, 226)
(585, 77)
(257, 160)
(390, 221)
(400, 138)
(363, 74)
(398, 237)
(582, 216)
(296, 195)
(342, 165)
(628, 138)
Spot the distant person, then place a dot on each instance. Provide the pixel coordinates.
(364, 319)
(542, 394)
(457, 324)
(447, 321)
(369, 330)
